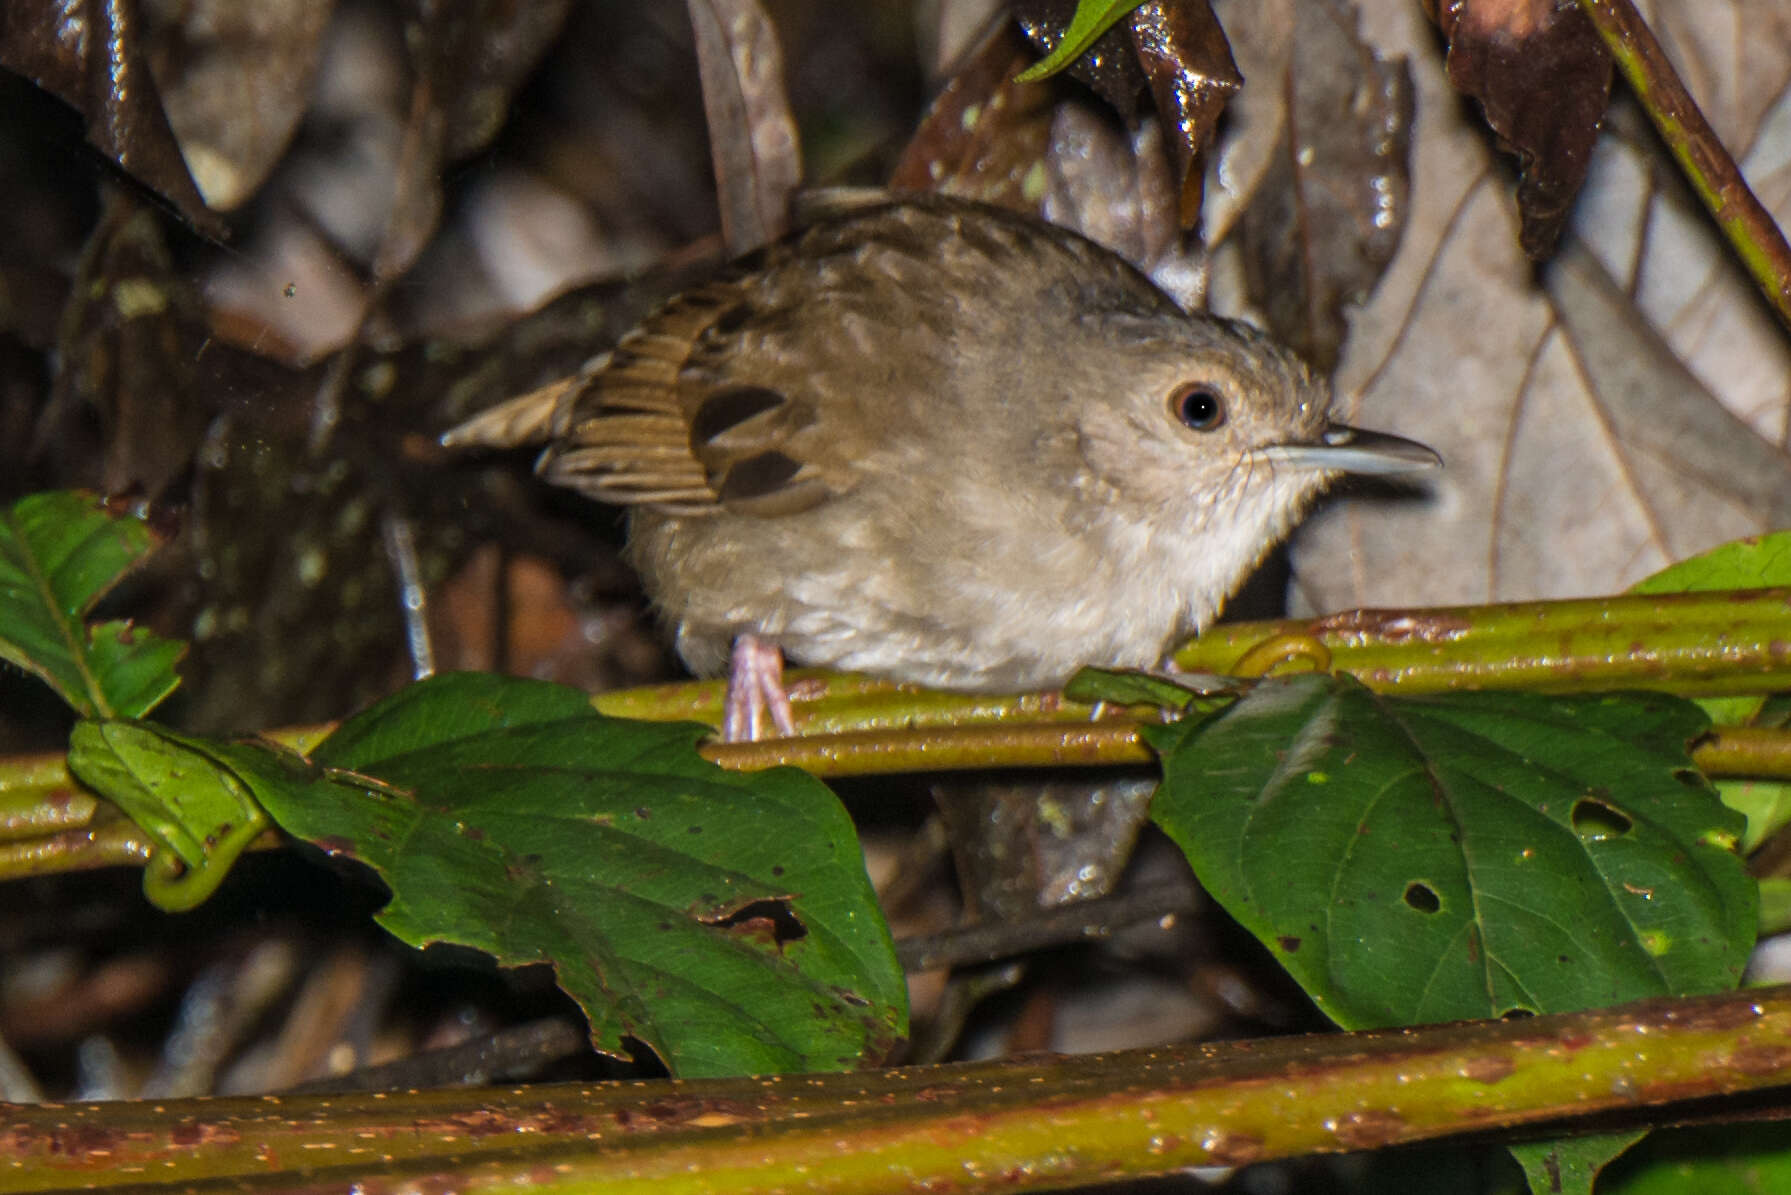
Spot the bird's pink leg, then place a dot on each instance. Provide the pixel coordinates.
(755, 686)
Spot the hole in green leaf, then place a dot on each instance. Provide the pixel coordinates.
(1595, 821)
(1517, 1014)
(1422, 897)
(766, 921)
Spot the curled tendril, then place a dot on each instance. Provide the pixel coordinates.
(1271, 655)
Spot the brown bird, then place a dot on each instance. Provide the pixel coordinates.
(942, 443)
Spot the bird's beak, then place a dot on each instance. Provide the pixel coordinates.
(1350, 450)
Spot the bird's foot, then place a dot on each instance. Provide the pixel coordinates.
(755, 688)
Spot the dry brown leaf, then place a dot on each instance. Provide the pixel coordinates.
(1175, 48)
(1192, 76)
(1328, 213)
(1031, 147)
(92, 55)
(1109, 67)
(234, 80)
(1578, 459)
(127, 345)
(1543, 78)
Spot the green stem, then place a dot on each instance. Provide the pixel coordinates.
(1016, 1125)
(1696, 644)
(1693, 644)
(1705, 162)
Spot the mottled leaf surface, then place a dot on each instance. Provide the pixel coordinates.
(1039, 148)
(723, 919)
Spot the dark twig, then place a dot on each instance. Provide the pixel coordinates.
(510, 1053)
(1079, 921)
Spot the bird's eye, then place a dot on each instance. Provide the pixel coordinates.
(1198, 406)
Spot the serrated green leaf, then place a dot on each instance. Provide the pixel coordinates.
(59, 554)
(1091, 19)
(192, 796)
(1426, 859)
(1757, 562)
(722, 918)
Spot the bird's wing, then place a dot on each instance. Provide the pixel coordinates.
(662, 420)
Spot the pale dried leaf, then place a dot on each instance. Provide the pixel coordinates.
(1261, 36)
(1566, 473)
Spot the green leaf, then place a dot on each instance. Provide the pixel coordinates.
(193, 797)
(1775, 905)
(722, 918)
(1570, 1165)
(1727, 1159)
(1467, 855)
(59, 553)
(1130, 686)
(1758, 562)
(1092, 18)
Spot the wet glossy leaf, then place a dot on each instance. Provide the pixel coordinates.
(93, 56)
(1176, 48)
(1091, 21)
(1543, 78)
(724, 919)
(1187, 62)
(59, 554)
(1031, 148)
(1471, 855)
